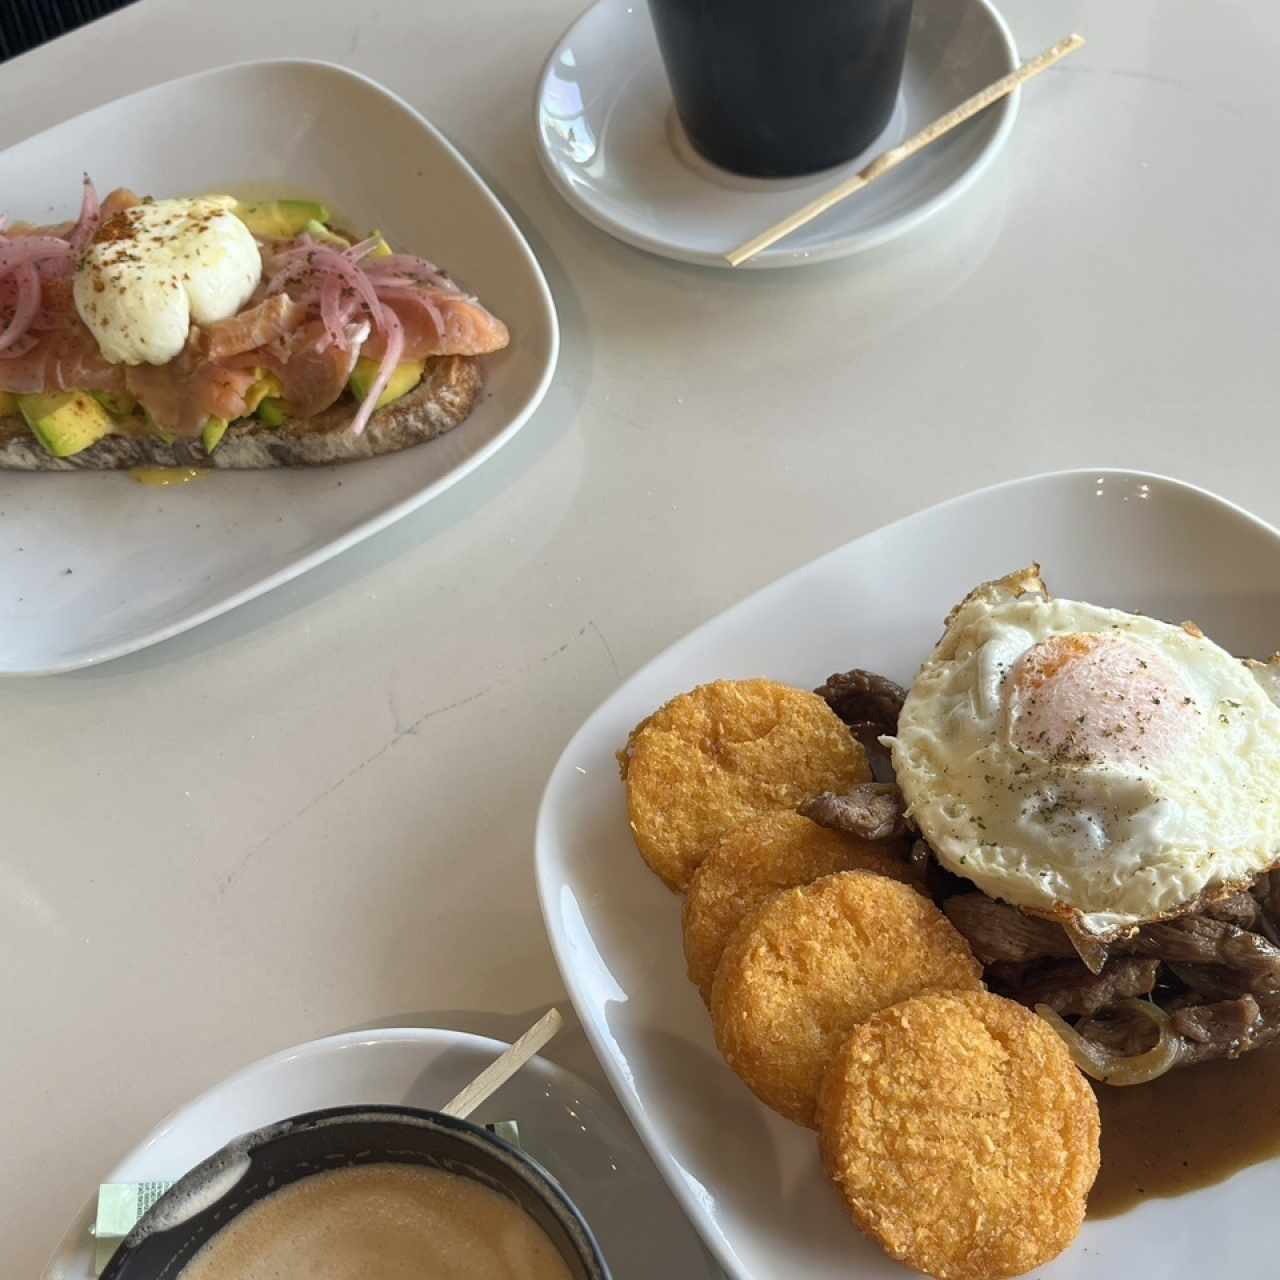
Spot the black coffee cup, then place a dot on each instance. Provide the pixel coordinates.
(775, 88)
(250, 1168)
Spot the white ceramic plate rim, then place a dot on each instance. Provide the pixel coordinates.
(389, 515)
(779, 255)
(319, 1048)
(546, 871)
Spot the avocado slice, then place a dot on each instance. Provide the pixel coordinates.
(8, 403)
(404, 378)
(211, 434)
(318, 231)
(280, 219)
(272, 411)
(65, 421)
(119, 403)
(267, 385)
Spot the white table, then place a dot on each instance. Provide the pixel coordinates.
(316, 812)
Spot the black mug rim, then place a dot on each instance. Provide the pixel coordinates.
(542, 1181)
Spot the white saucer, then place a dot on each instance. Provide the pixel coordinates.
(579, 1135)
(608, 139)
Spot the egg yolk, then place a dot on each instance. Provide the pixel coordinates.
(1093, 698)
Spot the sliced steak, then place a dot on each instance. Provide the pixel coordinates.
(871, 811)
(1071, 990)
(997, 931)
(1207, 981)
(1241, 910)
(1225, 1029)
(1226, 1022)
(1201, 940)
(1123, 1031)
(1266, 893)
(863, 698)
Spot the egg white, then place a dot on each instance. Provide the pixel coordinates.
(1112, 841)
(173, 263)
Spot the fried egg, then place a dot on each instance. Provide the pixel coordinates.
(1100, 766)
(160, 266)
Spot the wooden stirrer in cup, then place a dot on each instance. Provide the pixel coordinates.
(890, 159)
(502, 1068)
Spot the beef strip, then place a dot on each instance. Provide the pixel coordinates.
(1222, 1029)
(1227, 1028)
(1266, 890)
(997, 931)
(1206, 981)
(862, 697)
(871, 811)
(1225, 994)
(1070, 989)
(1266, 893)
(1123, 1031)
(1201, 940)
(1241, 910)
(940, 884)
(1230, 1021)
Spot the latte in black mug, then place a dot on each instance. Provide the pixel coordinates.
(775, 88)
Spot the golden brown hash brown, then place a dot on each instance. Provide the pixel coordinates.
(961, 1135)
(803, 969)
(723, 753)
(760, 857)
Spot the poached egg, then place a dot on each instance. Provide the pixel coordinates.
(157, 268)
(1099, 766)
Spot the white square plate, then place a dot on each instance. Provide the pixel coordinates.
(147, 563)
(749, 1180)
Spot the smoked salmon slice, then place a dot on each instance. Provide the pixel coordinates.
(438, 323)
(256, 327)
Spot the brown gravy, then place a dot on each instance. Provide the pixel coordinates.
(1188, 1129)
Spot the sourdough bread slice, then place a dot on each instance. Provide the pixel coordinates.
(447, 393)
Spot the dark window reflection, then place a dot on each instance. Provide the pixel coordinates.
(27, 23)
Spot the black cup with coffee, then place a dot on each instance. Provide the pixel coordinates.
(775, 89)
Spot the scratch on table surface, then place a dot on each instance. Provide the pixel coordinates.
(555, 653)
(613, 662)
(1121, 73)
(1152, 77)
(401, 731)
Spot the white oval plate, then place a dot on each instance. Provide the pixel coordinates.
(603, 117)
(98, 566)
(749, 1180)
(581, 1137)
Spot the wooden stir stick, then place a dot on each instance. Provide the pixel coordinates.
(502, 1068)
(904, 150)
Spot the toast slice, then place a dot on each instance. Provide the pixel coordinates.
(448, 391)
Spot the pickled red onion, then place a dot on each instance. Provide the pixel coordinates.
(19, 348)
(324, 262)
(407, 268)
(389, 322)
(25, 259)
(362, 248)
(87, 223)
(330, 309)
(27, 279)
(51, 252)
